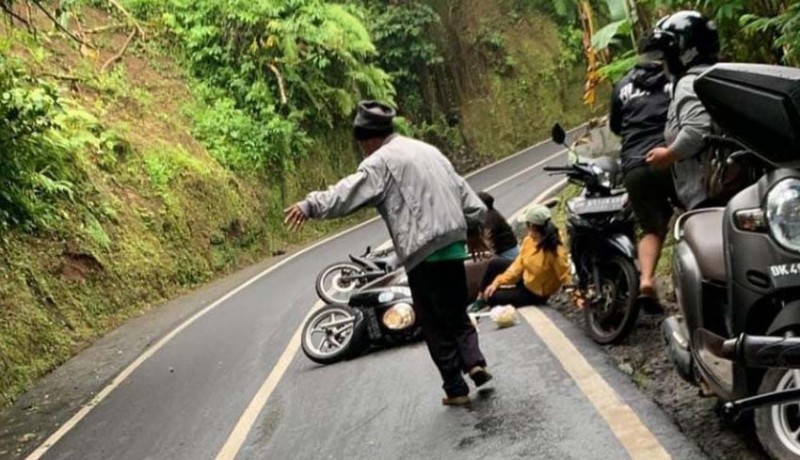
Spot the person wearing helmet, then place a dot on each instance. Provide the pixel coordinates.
(428, 209)
(639, 105)
(690, 44)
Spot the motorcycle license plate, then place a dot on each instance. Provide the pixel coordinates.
(785, 275)
(598, 205)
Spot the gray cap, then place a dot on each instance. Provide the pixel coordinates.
(374, 116)
(537, 214)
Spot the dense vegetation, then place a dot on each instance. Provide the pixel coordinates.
(147, 146)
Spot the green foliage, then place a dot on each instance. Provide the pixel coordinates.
(238, 141)
(784, 26)
(770, 27)
(34, 168)
(618, 67)
(288, 66)
(406, 48)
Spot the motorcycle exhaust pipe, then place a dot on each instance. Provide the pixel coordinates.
(757, 350)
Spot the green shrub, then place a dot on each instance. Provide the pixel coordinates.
(34, 163)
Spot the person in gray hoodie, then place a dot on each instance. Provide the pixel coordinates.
(428, 209)
(690, 44)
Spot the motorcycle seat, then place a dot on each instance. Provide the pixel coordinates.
(703, 233)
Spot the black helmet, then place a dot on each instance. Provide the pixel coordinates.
(687, 39)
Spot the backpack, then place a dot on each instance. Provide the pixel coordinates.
(723, 180)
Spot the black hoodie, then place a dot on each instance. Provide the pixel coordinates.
(639, 107)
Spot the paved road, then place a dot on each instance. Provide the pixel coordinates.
(184, 400)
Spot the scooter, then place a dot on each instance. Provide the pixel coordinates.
(737, 269)
(600, 226)
(336, 282)
(378, 314)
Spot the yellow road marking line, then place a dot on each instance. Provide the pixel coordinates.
(634, 436)
(122, 376)
(239, 434)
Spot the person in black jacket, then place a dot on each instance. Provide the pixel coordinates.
(639, 106)
(501, 236)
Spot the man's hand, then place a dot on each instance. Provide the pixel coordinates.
(661, 158)
(489, 291)
(295, 217)
(477, 246)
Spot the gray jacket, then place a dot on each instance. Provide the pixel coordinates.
(426, 205)
(688, 123)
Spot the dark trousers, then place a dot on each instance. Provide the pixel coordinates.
(440, 304)
(518, 296)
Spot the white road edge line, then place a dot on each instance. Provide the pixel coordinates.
(115, 383)
(239, 434)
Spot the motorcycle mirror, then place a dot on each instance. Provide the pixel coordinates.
(551, 203)
(558, 134)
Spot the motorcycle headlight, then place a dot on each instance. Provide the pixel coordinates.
(603, 177)
(783, 213)
(399, 316)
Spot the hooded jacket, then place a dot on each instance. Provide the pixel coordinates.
(688, 123)
(639, 106)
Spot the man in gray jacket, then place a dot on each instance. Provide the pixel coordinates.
(690, 44)
(427, 208)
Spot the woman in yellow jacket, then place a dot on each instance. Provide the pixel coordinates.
(540, 269)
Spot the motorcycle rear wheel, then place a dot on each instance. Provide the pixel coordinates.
(333, 333)
(330, 286)
(611, 317)
(778, 426)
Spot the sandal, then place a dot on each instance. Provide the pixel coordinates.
(648, 301)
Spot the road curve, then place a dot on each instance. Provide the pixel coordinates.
(184, 400)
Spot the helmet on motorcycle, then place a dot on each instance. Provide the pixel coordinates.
(686, 39)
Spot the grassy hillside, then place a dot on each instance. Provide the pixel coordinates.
(131, 195)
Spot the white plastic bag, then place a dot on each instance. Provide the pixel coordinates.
(504, 316)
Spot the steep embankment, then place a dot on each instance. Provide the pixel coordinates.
(131, 201)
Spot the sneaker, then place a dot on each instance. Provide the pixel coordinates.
(457, 401)
(480, 376)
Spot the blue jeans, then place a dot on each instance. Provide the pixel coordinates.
(510, 254)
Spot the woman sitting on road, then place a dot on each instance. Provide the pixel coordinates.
(501, 236)
(537, 273)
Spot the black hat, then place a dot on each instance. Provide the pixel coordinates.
(374, 116)
(487, 199)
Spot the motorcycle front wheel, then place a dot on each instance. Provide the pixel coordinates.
(778, 426)
(333, 285)
(333, 333)
(612, 314)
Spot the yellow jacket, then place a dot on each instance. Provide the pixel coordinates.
(542, 272)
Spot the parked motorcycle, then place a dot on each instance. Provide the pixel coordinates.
(737, 269)
(600, 226)
(337, 282)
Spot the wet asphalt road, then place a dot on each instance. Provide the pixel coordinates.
(183, 402)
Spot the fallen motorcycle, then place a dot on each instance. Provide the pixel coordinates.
(377, 314)
(336, 282)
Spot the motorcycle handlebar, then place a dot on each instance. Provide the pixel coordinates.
(558, 168)
(763, 351)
